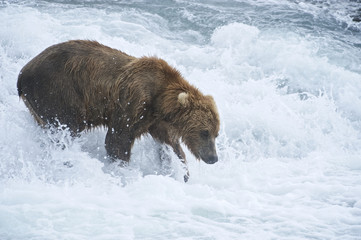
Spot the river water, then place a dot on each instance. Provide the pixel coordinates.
(286, 76)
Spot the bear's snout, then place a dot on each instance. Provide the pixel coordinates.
(208, 152)
(211, 159)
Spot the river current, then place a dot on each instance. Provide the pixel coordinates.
(286, 76)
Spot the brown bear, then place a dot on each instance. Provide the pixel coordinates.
(84, 84)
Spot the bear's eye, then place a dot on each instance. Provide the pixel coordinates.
(204, 134)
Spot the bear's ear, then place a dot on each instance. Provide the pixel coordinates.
(183, 99)
(210, 98)
(211, 102)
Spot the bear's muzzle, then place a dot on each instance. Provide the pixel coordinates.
(211, 159)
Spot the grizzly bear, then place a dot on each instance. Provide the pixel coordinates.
(84, 84)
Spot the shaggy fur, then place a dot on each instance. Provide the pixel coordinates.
(84, 84)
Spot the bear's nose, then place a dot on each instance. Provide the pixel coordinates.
(212, 159)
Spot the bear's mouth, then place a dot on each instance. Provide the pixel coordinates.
(209, 159)
(208, 155)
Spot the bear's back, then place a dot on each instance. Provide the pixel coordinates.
(70, 82)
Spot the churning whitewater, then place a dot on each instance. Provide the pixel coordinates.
(286, 77)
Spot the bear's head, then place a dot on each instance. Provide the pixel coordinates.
(199, 125)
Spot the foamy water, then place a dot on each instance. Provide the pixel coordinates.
(286, 76)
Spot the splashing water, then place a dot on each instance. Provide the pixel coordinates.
(286, 76)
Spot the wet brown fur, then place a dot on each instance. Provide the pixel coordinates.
(84, 84)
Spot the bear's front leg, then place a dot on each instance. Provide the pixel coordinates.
(179, 151)
(118, 144)
(164, 133)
